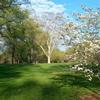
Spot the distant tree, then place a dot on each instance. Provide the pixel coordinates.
(51, 25)
(58, 56)
(47, 44)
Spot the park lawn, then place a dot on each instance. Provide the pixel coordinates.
(43, 82)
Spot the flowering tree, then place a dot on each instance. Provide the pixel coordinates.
(88, 51)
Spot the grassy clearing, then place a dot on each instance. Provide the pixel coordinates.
(43, 82)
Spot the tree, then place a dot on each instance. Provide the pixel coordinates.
(48, 39)
(32, 29)
(89, 49)
(58, 56)
(89, 26)
(13, 31)
(11, 20)
(5, 5)
(47, 44)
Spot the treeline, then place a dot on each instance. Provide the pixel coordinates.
(17, 34)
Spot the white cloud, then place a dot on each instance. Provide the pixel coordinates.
(42, 6)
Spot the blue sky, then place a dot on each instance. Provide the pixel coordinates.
(74, 5)
(66, 6)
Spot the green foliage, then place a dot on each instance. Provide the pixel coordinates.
(58, 56)
(18, 33)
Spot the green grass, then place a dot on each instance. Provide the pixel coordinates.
(43, 82)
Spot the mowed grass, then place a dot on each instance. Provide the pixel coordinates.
(43, 82)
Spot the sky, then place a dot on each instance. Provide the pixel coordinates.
(66, 6)
(75, 5)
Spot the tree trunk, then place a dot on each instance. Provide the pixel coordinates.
(49, 60)
(13, 55)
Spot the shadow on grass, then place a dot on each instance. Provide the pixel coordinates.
(60, 68)
(25, 90)
(77, 80)
(31, 90)
(12, 71)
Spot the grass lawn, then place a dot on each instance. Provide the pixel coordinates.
(43, 82)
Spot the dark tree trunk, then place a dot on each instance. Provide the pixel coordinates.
(13, 55)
